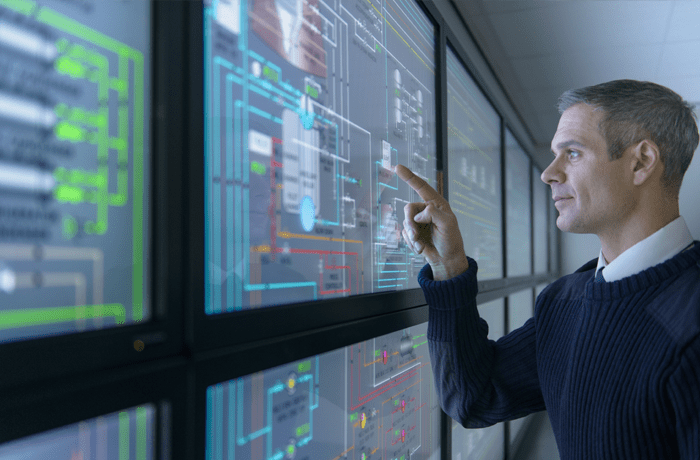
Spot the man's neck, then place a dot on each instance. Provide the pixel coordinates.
(616, 241)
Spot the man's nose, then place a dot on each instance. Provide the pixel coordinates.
(553, 172)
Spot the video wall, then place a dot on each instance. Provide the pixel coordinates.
(308, 106)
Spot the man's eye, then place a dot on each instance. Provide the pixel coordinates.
(574, 153)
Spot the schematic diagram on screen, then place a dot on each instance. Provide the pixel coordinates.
(369, 401)
(72, 168)
(310, 106)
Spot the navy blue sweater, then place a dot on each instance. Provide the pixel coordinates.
(616, 365)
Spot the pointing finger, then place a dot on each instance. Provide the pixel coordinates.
(425, 191)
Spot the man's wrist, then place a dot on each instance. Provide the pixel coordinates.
(445, 271)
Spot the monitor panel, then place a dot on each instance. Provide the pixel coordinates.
(554, 235)
(518, 231)
(540, 200)
(308, 107)
(474, 168)
(129, 433)
(371, 400)
(74, 166)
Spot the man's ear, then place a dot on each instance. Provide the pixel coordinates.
(646, 159)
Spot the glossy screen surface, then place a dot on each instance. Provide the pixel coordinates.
(474, 169)
(309, 106)
(127, 434)
(74, 166)
(372, 400)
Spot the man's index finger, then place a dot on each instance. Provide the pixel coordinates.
(424, 190)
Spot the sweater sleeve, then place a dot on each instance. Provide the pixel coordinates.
(685, 398)
(479, 382)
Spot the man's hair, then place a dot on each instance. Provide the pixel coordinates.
(639, 110)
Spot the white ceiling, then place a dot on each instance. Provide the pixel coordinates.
(539, 49)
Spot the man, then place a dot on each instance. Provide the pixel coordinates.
(613, 351)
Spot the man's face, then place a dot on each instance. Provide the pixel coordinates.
(591, 193)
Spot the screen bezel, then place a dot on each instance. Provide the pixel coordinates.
(37, 408)
(36, 359)
(225, 329)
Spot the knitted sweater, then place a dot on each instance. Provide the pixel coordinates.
(616, 365)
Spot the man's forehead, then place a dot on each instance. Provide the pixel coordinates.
(578, 126)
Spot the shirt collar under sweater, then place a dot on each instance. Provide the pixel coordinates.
(676, 266)
(653, 250)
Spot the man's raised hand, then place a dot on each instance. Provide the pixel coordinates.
(430, 228)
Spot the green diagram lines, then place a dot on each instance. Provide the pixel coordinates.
(142, 430)
(113, 128)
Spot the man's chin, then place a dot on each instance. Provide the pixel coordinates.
(571, 227)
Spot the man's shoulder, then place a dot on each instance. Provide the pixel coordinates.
(677, 308)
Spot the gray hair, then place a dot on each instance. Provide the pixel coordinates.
(639, 110)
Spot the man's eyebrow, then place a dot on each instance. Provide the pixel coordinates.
(569, 143)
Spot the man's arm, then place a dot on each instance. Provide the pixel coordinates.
(685, 398)
(479, 382)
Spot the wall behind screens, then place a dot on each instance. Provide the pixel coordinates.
(74, 167)
(308, 107)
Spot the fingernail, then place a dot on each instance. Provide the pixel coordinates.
(418, 246)
(411, 233)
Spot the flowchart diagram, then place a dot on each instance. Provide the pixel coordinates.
(310, 105)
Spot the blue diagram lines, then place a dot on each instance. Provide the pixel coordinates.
(372, 400)
(247, 417)
(309, 106)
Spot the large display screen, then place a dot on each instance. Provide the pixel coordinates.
(474, 169)
(309, 106)
(74, 166)
(127, 434)
(518, 229)
(372, 400)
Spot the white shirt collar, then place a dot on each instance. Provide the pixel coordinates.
(653, 250)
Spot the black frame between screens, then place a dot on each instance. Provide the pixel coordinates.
(37, 408)
(46, 358)
(206, 332)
